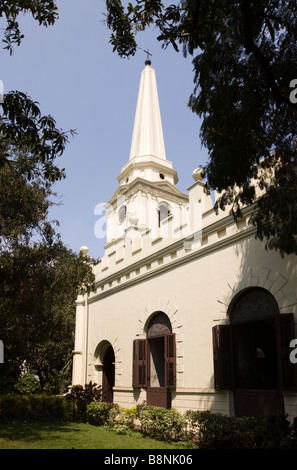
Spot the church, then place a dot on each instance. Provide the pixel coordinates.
(189, 309)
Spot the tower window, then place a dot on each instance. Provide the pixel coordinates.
(163, 213)
(162, 176)
(122, 214)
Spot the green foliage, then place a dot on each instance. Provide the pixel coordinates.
(45, 12)
(204, 429)
(38, 289)
(72, 436)
(217, 431)
(39, 277)
(206, 426)
(82, 397)
(101, 413)
(161, 423)
(126, 23)
(244, 58)
(27, 384)
(58, 381)
(29, 140)
(87, 394)
(35, 408)
(126, 420)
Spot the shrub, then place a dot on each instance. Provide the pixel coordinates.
(215, 430)
(278, 433)
(82, 397)
(101, 413)
(57, 382)
(161, 423)
(125, 420)
(27, 384)
(35, 408)
(228, 438)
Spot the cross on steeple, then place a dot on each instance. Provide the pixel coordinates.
(148, 62)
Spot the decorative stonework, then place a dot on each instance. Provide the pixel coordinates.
(253, 304)
(268, 279)
(97, 351)
(159, 325)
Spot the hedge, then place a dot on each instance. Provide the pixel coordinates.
(102, 414)
(35, 408)
(203, 428)
(206, 429)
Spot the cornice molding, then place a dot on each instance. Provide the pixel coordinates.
(164, 189)
(187, 258)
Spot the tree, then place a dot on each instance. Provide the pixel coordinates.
(45, 12)
(39, 276)
(29, 140)
(38, 288)
(245, 70)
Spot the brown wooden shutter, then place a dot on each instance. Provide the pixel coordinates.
(288, 369)
(140, 363)
(170, 360)
(222, 357)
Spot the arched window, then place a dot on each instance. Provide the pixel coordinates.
(105, 365)
(163, 213)
(154, 361)
(122, 214)
(251, 355)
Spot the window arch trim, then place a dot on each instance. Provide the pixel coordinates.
(255, 303)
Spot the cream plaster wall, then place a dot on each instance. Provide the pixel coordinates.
(191, 267)
(195, 295)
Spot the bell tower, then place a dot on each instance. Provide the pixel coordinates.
(146, 194)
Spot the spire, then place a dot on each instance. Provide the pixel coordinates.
(147, 138)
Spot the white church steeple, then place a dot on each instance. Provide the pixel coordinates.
(147, 158)
(146, 193)
(147, 138)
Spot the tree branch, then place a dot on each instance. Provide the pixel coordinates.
(252, 48)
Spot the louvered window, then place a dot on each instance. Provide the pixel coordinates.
(222, 357)
(170, 360)
(140, 363)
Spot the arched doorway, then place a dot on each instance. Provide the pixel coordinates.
(108, 375)
(154, 361)
(251, 354)
(254, 319)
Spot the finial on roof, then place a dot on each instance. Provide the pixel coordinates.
(147, 62)
(84, 250)
(198, 174)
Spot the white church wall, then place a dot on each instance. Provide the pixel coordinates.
(190, 266)
(195, 295)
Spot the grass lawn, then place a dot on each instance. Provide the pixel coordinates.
(72, 435)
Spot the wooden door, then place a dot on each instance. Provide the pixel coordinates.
(108, 375)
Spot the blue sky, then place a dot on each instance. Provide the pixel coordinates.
(70, 69)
